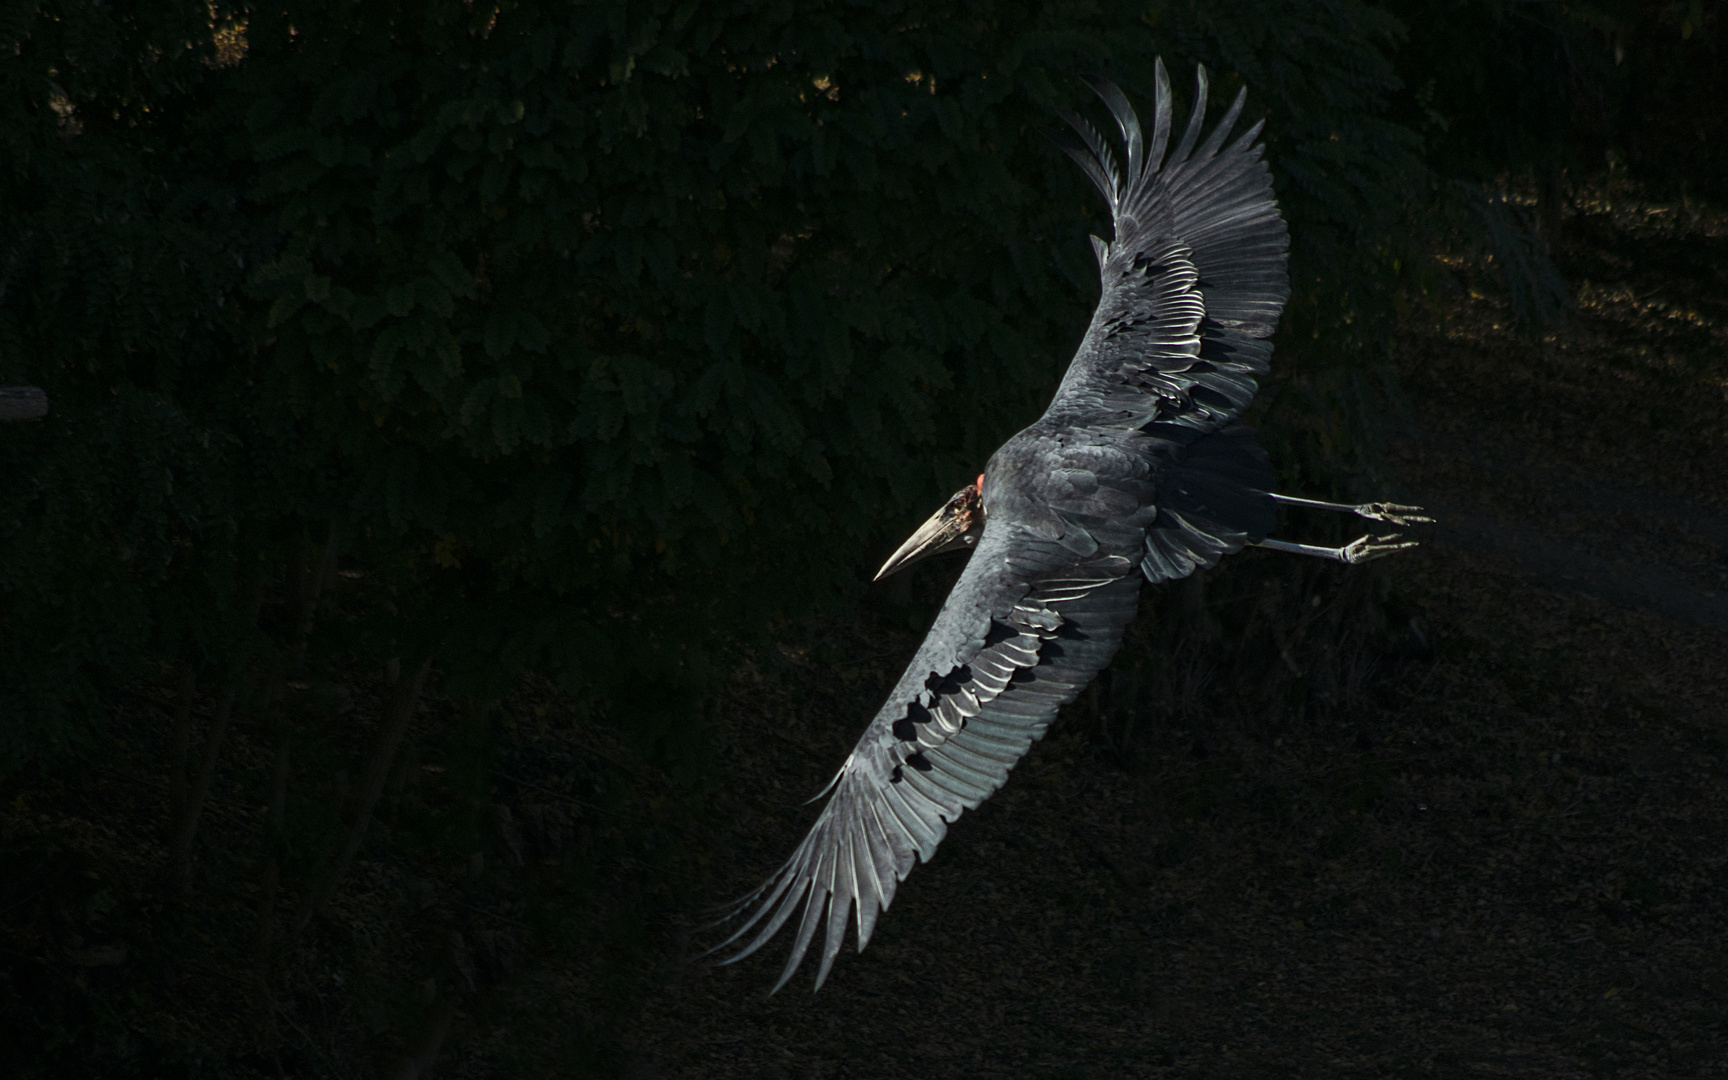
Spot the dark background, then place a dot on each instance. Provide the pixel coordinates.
(441, 572)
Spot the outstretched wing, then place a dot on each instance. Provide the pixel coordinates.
(1193, 285)
(1195, 279)
(1138, 464)
(1026, 628)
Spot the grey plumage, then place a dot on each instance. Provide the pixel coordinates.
(1138, 468)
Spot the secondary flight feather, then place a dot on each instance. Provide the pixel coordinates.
(1139, 469)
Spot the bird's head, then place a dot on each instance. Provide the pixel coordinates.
(956, 526)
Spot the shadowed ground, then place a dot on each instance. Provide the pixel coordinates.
(1483, 836)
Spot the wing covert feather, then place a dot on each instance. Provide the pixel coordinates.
(1193, 281)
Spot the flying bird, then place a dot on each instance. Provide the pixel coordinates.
(1140, 469)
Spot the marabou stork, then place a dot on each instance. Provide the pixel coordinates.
(1139, 468)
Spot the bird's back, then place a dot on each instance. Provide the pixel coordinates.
(1193, 284)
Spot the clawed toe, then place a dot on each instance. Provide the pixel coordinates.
(1368, 548)
(1394, 514)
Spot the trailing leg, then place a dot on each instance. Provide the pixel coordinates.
(1360, 550)
(1390, 513)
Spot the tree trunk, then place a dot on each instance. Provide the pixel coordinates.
(389, 740)
(186, 823)
(180, 753)
(306, 583)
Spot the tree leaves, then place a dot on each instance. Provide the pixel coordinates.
(634, 289)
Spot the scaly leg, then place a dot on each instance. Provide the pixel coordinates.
(1360, 550)
(1390, 513)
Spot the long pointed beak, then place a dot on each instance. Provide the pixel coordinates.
(945, 531)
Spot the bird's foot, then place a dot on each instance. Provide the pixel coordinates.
(1390, 513)
(1368, 548)
(1393, 514)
